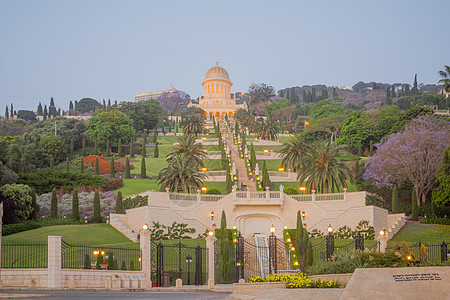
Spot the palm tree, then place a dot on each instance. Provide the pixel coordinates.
(445, 78)
(324, 167)
(193, 124)
(182, 174)
(293, 151)
(186, 144)
(267, 129)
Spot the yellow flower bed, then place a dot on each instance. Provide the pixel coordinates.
(297, 281)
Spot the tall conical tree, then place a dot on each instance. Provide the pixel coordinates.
(388, 96)
(112, 171)
(144, 151)
(96, 167)
(395, 204)
(54, 205)
(252, 157)
(415, 88)
(108, 148)
(359, 149)
(7, 112)
(67, 164)
(145, 136)
(82, 165)
(155, 137)
(132, 148)
(83, 151)
(119, 204)
(127, 169)
(119, 148)
(156, 152)
(415, 207)
(75, 206)
(39, 109)
(96, 217)
(143, 169)
(371, 148)
(45, 113)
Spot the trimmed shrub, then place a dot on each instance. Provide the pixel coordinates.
(143, 169)
(119, 204)
(96, 218)
(127, 169)
(75, 206)
(290, 191)
(54, 205)
(213, 191)
(442, 221)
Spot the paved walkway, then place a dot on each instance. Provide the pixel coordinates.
(241, 168)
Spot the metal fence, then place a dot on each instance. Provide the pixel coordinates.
(433, 253)
(74, 256)
(24, 255)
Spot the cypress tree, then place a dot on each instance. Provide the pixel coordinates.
(75, 206)
(388, 96)
(7, 112)
(143, 170)
(108, 148)
(104, 104)
(96, 218)
(144, 151)
(33, 205)
(415, 89)
(414, 208)
(54, 205)
(12, 111)
(299, 231)
(67, 164)
(145, 136)
(127, 169)
(393, 92)
(96, 167)
(39, 109)
(371, 148)
(359, 149)
(395, 204)
(109, 103)
(119, 203)
(96, 147)
(70, 107)
(82, 165)
(119, 148)
(132, 148)
(87, 262)
(304, 250)
(155, 137)
(83, 151)
(112, 171)
(357, 169)
(156, 152)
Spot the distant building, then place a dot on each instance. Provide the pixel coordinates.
(155, 95)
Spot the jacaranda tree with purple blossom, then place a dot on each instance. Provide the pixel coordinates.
(174, 102)
(414, 155)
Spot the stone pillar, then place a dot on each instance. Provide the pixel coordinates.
(146, 263)
(383, 242)
(210, 269)
(54, 262)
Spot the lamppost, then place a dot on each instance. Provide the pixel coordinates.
(330, 242)
(272, 250)
(189, 260)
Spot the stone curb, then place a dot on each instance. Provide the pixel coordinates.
(23, 296)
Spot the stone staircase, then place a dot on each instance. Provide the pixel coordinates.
(240, 166)
(397, 224)
(262, 249)
(122, 227)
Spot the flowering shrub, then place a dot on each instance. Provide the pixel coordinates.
(86, 204)
(104, 164)
(297, 281)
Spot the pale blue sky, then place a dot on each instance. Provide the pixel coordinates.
(116, 49)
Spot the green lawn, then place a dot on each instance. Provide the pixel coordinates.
(136, 186)
(213, 164)
(428, 233)
(221, 186)
(272, 164)
(90, 234)
(211, 147)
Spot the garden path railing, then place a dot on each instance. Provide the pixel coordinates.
(24, 255)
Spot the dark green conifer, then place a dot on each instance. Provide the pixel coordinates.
(54, 205)
(119, 204)
(108, 148)
(75, 206)
(127, 169)
(112, 171)
(156, 152)
(96, 217)
(143, 169)
(96, 167)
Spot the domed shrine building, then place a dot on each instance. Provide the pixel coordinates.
(217, 100)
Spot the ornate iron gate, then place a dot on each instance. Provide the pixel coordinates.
(177, 260)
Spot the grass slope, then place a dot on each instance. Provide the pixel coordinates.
(428, 233)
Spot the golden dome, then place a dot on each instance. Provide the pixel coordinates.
(217, 72)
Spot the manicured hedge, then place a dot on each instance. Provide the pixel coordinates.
(45, 180)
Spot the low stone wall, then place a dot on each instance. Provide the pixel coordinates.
(73, 279)
(249, 288)
(292, 294)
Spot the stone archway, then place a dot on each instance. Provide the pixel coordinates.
(217, 115)
(258, 223)
(223, 115)
(230, 114)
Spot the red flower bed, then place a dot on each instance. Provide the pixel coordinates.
(104, 164)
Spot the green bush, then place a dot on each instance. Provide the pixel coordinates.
(213, 191)
(347, 262)
(137, 201)
(290, 191)
(442, 221)
(87, 262)
(374, 199)
(45, 181)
